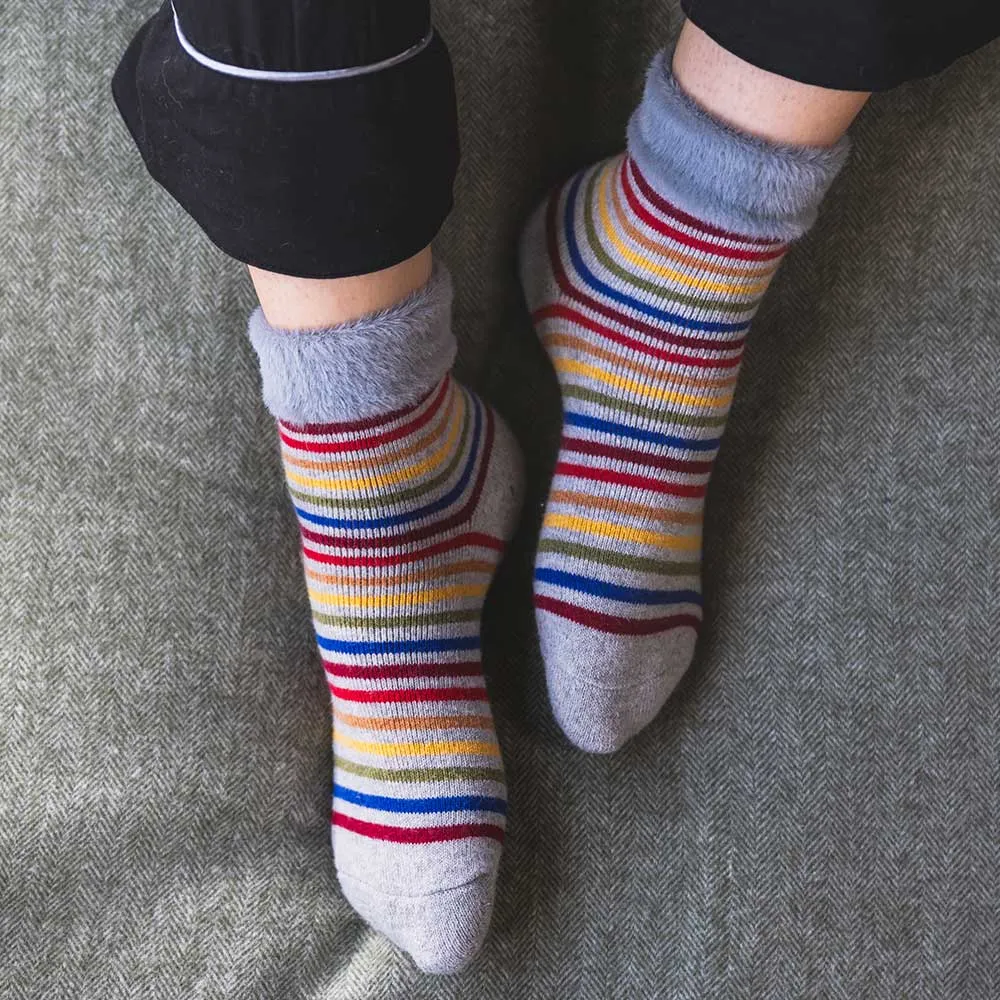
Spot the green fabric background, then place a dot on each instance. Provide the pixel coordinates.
(817, 812)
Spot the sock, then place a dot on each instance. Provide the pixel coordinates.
(642, 275)
(406, 487)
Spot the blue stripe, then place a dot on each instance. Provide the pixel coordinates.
(449, 803)
(628, 595)
(637, 434)
(399, 647)
(615, 295)
(363, 524)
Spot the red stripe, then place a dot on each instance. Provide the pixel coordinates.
(650, 329)
(337, 447)
(732, 253)
(565, 312)
(582, 446)
(353, 426)
(411, 694)
(395, 671)
(626, 479)
(667, 208)
(613, 624)
(471, 539)
(418, 534)
(416, 835)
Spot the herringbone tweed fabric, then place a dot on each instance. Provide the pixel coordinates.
(815, 814)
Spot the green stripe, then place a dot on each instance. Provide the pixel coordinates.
(660, 567)
(421, 773)
(651, 286)
(378, 621)
(638, 410)
(387, 499)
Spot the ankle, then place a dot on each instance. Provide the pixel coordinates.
(292, 303)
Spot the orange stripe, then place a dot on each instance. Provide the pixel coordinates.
(559, 339)
(420, 722)
(371, 579)
(660, 515)
(692, 260)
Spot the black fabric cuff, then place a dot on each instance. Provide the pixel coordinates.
(848, 44)
(303, 35)
(315, 180)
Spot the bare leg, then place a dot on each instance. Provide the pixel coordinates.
(316, 304)
(747, 98)
(758, 102)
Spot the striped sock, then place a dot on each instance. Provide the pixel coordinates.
(403, 516)
(642, 275)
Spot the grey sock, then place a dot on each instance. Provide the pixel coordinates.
(406, 486)
(643, 274)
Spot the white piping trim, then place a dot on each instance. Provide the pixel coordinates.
(291, 76)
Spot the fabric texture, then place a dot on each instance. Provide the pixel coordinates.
(848, 44)
(815, 812)
(404, 516)
(645, 311)
(728, 178)
(303, 35)
(365, 368)
(263, 166)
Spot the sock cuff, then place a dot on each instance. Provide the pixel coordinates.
(361, 369)
(722, 176)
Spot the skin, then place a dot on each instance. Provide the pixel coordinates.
(760, 103)
(745, 97)
(315, 304)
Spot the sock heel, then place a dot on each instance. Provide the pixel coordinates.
(537, 283)
(507, 477)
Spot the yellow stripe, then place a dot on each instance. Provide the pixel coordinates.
(559, 338)
(290, 456)
(391, 579)
(686, 259)
(659, 270)
(402, 600)
(419, 749)
(383, 479)
(586, 525)
(570, 367)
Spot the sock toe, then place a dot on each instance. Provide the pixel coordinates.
(441, 931)
(604, 689)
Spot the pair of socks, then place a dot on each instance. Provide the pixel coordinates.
(642, 275)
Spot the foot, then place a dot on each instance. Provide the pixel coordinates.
(404, 517)
(642, 275)
(643, 313)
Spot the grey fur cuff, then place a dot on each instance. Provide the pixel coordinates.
(361, 369)
(725, 177)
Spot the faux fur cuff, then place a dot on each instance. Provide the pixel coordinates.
(725, 177)
(361, 369)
